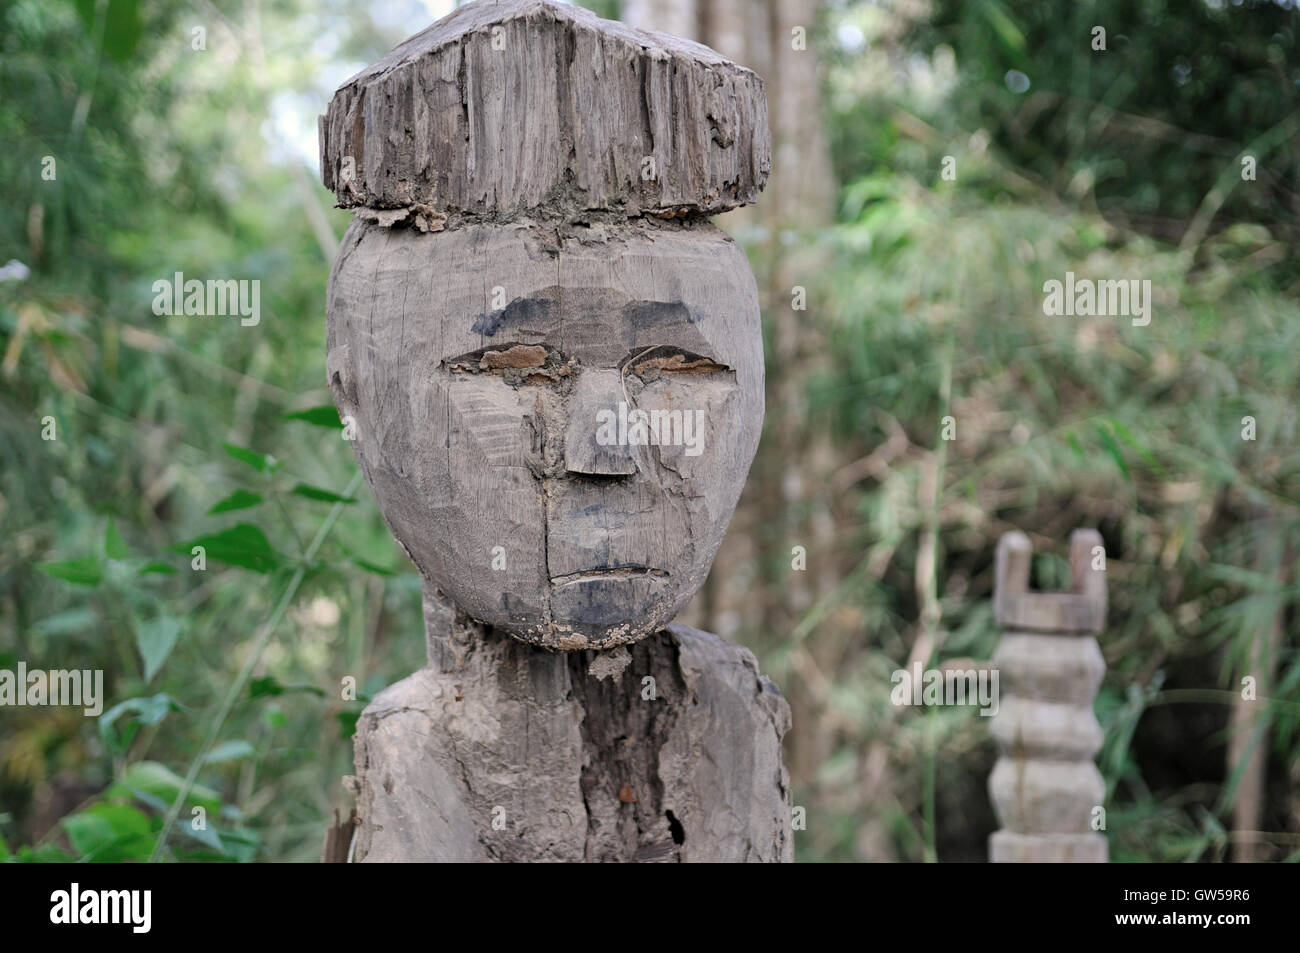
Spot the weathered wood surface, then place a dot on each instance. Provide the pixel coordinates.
(1044, 785)
(528, 106)
(511, 277)
(493, 480)
(339, 838)
(570, 757)
(1082, 609)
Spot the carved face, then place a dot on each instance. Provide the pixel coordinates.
(558, 437)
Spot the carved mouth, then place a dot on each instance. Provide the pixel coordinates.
(621, 572)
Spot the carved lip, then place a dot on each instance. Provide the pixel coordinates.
(620, 572)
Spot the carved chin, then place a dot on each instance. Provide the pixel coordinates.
(598, 610)
(591, 610)
(603, 609)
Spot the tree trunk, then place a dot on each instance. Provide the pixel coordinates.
(1248, 739)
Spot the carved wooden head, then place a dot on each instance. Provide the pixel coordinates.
(553, 361)
(562, 466)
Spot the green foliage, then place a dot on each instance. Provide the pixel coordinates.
(155, 639)
(243, 545)
(169, 159)
(324, 416)
(1151, 129)
(321, 496)
(239, 500)
(930, 299)
(135, 713)
(85, 571)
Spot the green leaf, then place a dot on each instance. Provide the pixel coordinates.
(240, 846)
(1113, 448)
(1142, 449)
(348, 722)
(1246, 578)
(206, 835)
(67, 622)
(155, 640)
(239, 500)
(156, 567)
(242, 545)
(372, 567)
(161, 782)
(109, 832)
(235, 750)
(268, 686)
(326, 415)
(121, 792)
(1002, 24)
(323, 496)
(44, 854)
(82, 572)
(114, 544)
(262, 462)
(147, 711)
(122, 25)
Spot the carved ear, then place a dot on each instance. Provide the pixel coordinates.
(343, 384)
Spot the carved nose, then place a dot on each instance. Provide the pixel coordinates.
(594, 441)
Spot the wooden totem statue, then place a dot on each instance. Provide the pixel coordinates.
(1046, 790)
(555, 369)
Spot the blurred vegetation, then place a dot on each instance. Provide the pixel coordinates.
(1107, 165)
(169, 159)
(1123, 163)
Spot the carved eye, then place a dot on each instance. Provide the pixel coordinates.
(669, 359)
(527, 363)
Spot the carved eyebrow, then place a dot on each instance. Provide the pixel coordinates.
(672, 359)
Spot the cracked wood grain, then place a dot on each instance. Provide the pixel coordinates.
(527, 106)
(570, 765)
